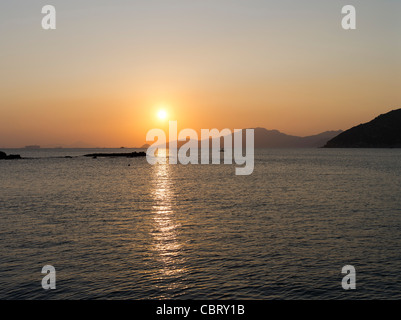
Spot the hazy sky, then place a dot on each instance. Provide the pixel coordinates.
(103, 74)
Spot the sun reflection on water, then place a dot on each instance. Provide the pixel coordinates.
(167, 246)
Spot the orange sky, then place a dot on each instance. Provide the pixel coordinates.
(102, 76)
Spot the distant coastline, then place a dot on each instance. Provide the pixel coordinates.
(382, 132)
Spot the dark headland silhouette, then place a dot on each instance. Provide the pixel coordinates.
(382, 132)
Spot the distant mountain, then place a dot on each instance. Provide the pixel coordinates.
(382, 132)
(275, 139)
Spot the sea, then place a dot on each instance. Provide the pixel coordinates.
(120, 228)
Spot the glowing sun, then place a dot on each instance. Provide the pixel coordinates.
(162, 114)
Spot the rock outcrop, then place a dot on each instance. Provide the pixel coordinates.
(126, 155)
(4, 156)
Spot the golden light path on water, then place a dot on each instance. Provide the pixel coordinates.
(165, 233)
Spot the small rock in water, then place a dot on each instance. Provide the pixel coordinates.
(4, 156)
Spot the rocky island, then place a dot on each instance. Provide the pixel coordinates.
(126, 155)
(4, 156)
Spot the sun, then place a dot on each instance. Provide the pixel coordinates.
(162, 114)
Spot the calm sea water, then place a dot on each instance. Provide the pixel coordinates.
(114, 231)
